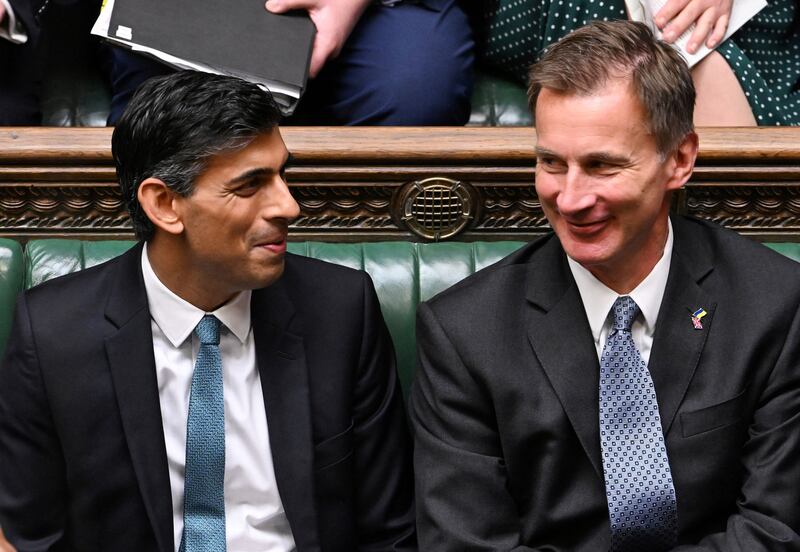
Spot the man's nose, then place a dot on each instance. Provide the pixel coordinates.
(289, 204)
(576, 195)
(282, 204)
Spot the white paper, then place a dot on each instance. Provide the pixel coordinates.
(645, 11)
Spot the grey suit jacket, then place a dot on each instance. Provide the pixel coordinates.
(505, 402)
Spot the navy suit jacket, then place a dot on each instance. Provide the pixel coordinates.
(83, 463)
(505, 402)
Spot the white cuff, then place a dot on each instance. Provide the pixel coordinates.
(12, 29)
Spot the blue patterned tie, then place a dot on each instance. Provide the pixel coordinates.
(203, 493)
(639, 490)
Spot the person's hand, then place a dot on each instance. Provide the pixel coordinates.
(710, 16)
(5, 546)
(2, 18)
(334, 20)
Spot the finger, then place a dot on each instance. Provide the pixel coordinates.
(683, 20)
(2, 12)
(283, 6)
(319, 56)
(719, 31)
(5, 546)
(704, 26)
(670, 10)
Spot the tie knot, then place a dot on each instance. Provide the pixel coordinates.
(208, 330)
(625, 310)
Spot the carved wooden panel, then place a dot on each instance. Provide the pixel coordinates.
(60, 182)
(759, 208)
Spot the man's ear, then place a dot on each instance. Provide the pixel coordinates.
(681, 161)
(158, 203)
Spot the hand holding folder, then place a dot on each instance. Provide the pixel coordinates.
(334, 21)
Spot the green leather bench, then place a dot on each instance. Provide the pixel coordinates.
(404, 273)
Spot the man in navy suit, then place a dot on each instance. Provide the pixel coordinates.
(630, 382)
(100, 374)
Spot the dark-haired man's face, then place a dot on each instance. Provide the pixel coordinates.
(236, 220)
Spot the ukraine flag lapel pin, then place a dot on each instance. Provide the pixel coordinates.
(697, 317)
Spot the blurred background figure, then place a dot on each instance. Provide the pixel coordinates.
(390, 63)
(756, 72)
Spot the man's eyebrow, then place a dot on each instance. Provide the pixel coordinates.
(606, 157)
(597, 156)
(250, 175)
(544, 152)
(258, 172)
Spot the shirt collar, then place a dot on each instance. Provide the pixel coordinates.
(598, 298)
(177, 318)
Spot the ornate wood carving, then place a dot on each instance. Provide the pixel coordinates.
(43, 209)
(758, 208)
(60, 182)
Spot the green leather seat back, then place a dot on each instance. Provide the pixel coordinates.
(404, 273)
(499, 101)
(47, 259)
(791, 250)
(11, 283)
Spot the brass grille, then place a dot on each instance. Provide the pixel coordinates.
(436, 208)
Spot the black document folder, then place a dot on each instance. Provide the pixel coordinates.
(236, 37)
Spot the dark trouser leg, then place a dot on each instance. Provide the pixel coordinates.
(126, 72)
(406, 65)
(20, 83)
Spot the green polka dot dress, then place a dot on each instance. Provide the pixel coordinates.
(764, 54)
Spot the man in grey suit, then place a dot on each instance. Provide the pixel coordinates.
(632, 381)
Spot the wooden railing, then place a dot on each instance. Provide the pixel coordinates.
(357, 183)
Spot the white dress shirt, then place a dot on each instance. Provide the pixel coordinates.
(254, 515)
(10, 28)
(598, 299)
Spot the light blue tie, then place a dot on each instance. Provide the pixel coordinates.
(204, 497)
(639, 489)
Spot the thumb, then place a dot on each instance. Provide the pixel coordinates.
(283, 6)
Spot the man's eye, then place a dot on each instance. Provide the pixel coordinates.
(549, 163)
(248, 188)
(603, 168)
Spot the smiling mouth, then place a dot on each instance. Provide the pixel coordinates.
(586, 228)
(275, 246)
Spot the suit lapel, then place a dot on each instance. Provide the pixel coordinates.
(285, 383)
(562, 341)
(677, 345)
(130, 357)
